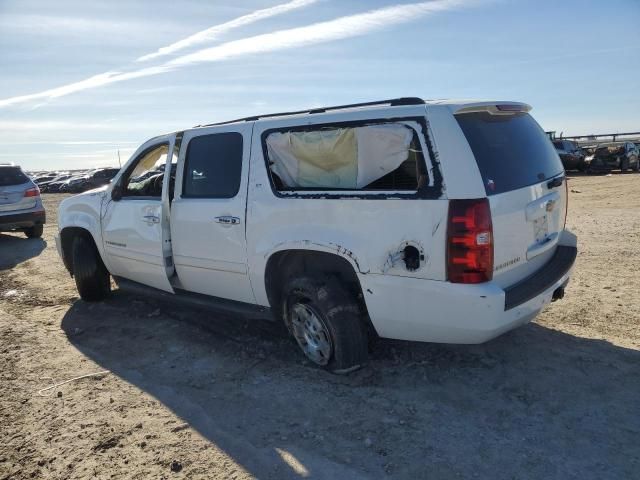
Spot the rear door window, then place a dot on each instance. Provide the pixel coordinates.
(512, 151)
(213, 166)
(12, 176)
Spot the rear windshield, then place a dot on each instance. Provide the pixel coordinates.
(12, 176)
(512, 151)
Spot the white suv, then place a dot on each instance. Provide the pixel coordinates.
(419, 220)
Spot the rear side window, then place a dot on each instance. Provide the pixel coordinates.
(512, 151)
(372, 156)
(213, 166)
(12, 176)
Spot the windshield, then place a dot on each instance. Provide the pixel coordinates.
(12, 176)
(512, 151)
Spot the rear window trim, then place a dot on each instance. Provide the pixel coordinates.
(426, 191)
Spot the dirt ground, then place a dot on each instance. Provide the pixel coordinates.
(188, 395)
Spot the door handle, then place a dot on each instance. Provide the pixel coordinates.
(151, 219)
(227, 220)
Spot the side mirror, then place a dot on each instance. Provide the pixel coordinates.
(116, 193)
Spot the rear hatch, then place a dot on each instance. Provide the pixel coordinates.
(13, 185)
(524, 181)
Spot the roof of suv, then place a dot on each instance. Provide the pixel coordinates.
(456, 106)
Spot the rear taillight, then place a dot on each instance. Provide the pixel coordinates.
(32, 192)
(469, 241)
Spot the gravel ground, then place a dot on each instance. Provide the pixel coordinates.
(189, 395)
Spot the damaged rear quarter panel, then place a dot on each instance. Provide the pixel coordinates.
(367, 232)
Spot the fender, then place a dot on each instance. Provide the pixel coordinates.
(337, 243)
(320, 246)
(83, 211)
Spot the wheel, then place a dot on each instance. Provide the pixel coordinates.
(637, 169)
(326, 321)
(624, 164)
(582, 166)
(91, 276)
(34, 232)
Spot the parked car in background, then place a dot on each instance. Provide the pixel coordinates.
(93, 179)
(99, 177)
(572, 156)
(20, 204)
(44, 178)
(53, 186)
(73, 185)
(403, 218)
(616, 156)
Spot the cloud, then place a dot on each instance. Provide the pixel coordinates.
(17, 126)
(217, 30)
(337, 29)
(89, 83)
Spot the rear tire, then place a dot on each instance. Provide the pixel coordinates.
(582, 166)
(326, 321)
(91, 276)
(34, 232)
(624, 164)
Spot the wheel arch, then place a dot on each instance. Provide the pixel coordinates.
(67, 236)
(284, 264)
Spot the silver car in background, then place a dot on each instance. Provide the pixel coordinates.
(21, 208)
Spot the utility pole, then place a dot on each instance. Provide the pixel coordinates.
(119, 162)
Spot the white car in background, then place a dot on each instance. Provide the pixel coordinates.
(20, 204)
(428, 221)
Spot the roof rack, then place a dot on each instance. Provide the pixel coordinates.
(393, 102)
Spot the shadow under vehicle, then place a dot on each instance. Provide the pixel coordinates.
(535, 403)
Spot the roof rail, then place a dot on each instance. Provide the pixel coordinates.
(393, 102)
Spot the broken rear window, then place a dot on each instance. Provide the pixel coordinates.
(379, 157)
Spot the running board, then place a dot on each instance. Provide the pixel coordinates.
(196, 300)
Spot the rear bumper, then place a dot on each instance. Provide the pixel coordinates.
(434, 311)
(555, 269)
(18, 221)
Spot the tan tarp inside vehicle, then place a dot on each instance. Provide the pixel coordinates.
(346, 158)
(150, 160)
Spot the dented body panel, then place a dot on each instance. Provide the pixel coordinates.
(83, 211)
(370, 230)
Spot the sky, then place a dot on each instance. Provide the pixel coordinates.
(81, 81)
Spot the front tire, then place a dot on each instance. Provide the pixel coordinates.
(326, 321)
(34, 232)
(91, 276)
